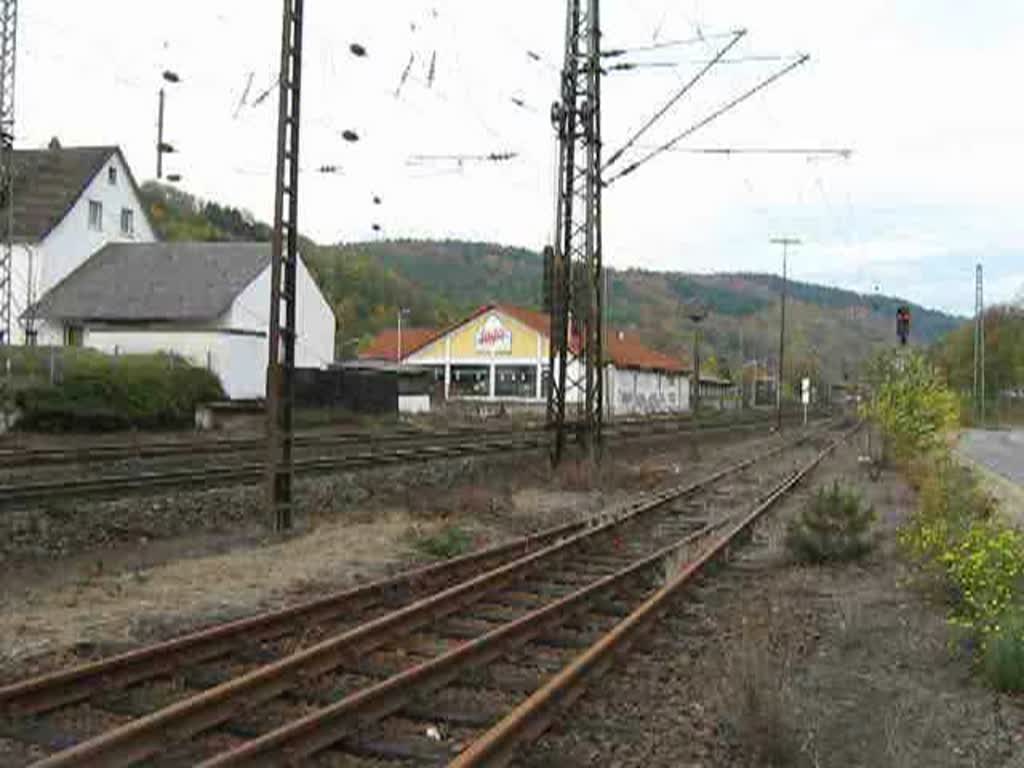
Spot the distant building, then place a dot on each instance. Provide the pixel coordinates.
(207, 302)
(500, 354)
(68, 203)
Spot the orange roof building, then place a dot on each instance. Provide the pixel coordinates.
(500, 353)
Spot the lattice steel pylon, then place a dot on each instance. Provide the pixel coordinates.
(284, 258)
(576, 369)
(8, 46)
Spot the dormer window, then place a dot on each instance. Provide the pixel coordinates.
(112, 175)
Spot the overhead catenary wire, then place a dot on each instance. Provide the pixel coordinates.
(737, 36)
(613, 52)
(727, 107)
(842, 152)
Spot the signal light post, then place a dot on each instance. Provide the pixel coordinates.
(903, 325)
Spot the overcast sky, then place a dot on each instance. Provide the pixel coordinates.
(923, 91)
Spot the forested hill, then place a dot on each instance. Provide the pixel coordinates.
(830, 330)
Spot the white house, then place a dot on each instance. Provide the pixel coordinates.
(500, 353)
(68, 203)
(208, 302)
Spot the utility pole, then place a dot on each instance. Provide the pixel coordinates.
(8, 46)
(401, 311)
(979, 345)
(162, 147)
(160, 136)
(284, 255)
(785, 242)
(575, 361)
(697, 312)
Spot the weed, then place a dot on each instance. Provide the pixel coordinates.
(577, 475)
(834, 527)
(1003, 661)
(760, 701)
(450, 541)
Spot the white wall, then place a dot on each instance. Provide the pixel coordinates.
(314, 345)
(239, 361)
(23, 257)
(646, 392)
(72, 242)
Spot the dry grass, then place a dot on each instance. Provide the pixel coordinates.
(110, 607)
(760, 699)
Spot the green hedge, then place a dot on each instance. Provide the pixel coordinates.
(95, 392)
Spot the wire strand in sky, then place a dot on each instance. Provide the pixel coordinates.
(727, 107)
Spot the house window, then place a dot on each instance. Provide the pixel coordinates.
(470, 380)
(515, 381)
(96, 215)
(127, 221)
(112, 175)
(74, 336)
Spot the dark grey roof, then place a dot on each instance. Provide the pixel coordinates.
(156, 281)
(47, 182)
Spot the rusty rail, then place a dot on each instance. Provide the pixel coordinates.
(47, 692)
(115, 486)
(303, 738)
(146, 736)
(498, 746)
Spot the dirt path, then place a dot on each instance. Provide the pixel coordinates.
(774, 664)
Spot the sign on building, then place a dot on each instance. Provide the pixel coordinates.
(493, 336)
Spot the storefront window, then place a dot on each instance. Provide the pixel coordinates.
(470, 381)
(515, 381)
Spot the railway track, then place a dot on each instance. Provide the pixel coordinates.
(396, 450)
(413, 669)
(149, 450)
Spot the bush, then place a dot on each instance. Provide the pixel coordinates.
(911, 404)
(451, 541)
(1004, 654)
(834, 527)
(957, 534)
(99, 392)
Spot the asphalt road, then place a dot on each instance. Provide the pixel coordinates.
(1000, 451)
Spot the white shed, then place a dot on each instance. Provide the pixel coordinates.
(207, 302)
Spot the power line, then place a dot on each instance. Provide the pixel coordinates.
(697, 39)
(842, 152)
(710, 118)
(737, 36)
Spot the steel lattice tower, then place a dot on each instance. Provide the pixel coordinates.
(8, 45)
(576, 378)
(281, 333)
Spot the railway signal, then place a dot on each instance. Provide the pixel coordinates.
(903, 324)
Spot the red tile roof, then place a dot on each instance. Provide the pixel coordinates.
(624, 350)
(385, 344)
